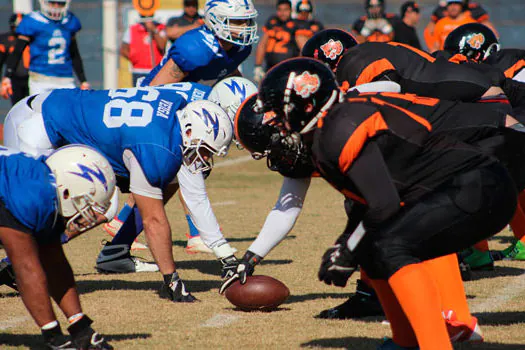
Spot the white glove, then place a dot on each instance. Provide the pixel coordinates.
(368, 27)
(258, 74)
(383, 26)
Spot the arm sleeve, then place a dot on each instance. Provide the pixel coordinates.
(371, 176)
(138, 183)
(14, 57)
(283, 216)
(78, 66)
(193, 190)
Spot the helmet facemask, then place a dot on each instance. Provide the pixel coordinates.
(86, 208)
(55, 13)
(228, 29)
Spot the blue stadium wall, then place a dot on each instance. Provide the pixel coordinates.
(507, 15)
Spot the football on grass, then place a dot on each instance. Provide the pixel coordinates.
(258, 293)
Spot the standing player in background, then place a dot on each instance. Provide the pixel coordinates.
(376, 25)
(280, 40)
(19, 78)
(143, 45)
(477, 12)
(190, 19)
(308, 25)
(51, 36)
(405, 29)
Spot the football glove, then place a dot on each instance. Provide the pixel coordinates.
(54, 339)
(85, 338)
(258, 74)
(337, 266)
(233, 269)
(7, 88)
(85, 86)
(174, 289)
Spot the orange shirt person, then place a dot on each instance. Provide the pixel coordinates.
(456, 16)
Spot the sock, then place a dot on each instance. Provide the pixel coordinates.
(124, 212)
(447, 276)
(419, 298)
(75, 318)
(518, 220)
(49, 325)
(402, 332)
(130, 229)
(482, 246)
(193, 230)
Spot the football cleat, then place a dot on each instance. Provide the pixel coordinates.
(461, 332)
(117, 259)
(516, 252)
(196, 245)
(477, 260)
(389, 344)
(7, 275)
(363, 303)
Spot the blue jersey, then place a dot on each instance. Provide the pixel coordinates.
(199, 53)
(189, 91)
(142, 120)
(28, 190)
(50, 43)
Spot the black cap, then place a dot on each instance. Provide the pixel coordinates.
(191, 3)
(283, 2)
(412, 5)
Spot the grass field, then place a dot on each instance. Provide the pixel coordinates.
(128, 311)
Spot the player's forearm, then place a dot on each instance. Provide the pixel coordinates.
(175, 32)
(14, 58)
(78, 65)
(261, 51)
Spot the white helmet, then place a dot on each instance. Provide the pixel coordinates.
(204, 127)
(229, 93)
(85, 181)
(53, 12)
(218, 15)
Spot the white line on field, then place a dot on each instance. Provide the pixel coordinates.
(511, 290)
(231, 162)
(220, 320)
(13, 322)
(225, 203)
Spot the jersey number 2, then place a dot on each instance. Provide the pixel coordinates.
(56, 53)
(278, 41)
(118, 111)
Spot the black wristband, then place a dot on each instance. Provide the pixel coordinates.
(252, 258)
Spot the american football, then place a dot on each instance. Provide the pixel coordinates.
(258, 293)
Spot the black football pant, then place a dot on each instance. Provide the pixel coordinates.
(465, 210)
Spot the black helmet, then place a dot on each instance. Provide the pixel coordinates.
(374, 3)
(304, 6)
(297, 92)
(473, 40)
(15, 19)
(249, 130)
(328, 46)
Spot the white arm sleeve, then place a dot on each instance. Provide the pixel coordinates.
(193, 191)
(137, 180)
(283, 216)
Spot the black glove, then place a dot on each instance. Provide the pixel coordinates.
(234, 269)
(174, 289)
(54, 339)
(337, 266)
(85, 338)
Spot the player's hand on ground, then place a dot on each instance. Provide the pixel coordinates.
(337, 266)
(85, 337)
(85, 86)
(258, 74)
(7, 88)
(175, 290)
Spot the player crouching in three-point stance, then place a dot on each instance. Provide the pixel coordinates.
(420, 194)
(39, 200)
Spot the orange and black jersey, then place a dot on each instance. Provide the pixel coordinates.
(308, 28)
(386, 158)
(281, 40)
(415, 70)
(510, 61)
(7, 45)
(377, 35)
(477, 12)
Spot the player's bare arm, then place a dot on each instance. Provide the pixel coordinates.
(170, 73)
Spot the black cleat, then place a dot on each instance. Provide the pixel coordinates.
(363, 303)
(7, 275)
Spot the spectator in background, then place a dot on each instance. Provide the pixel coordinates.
(405, 29)
(143, 45)
(455, 16)
(376, 25)
(279, 41)
(189, 20)
(307, 24)
(19, 80)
